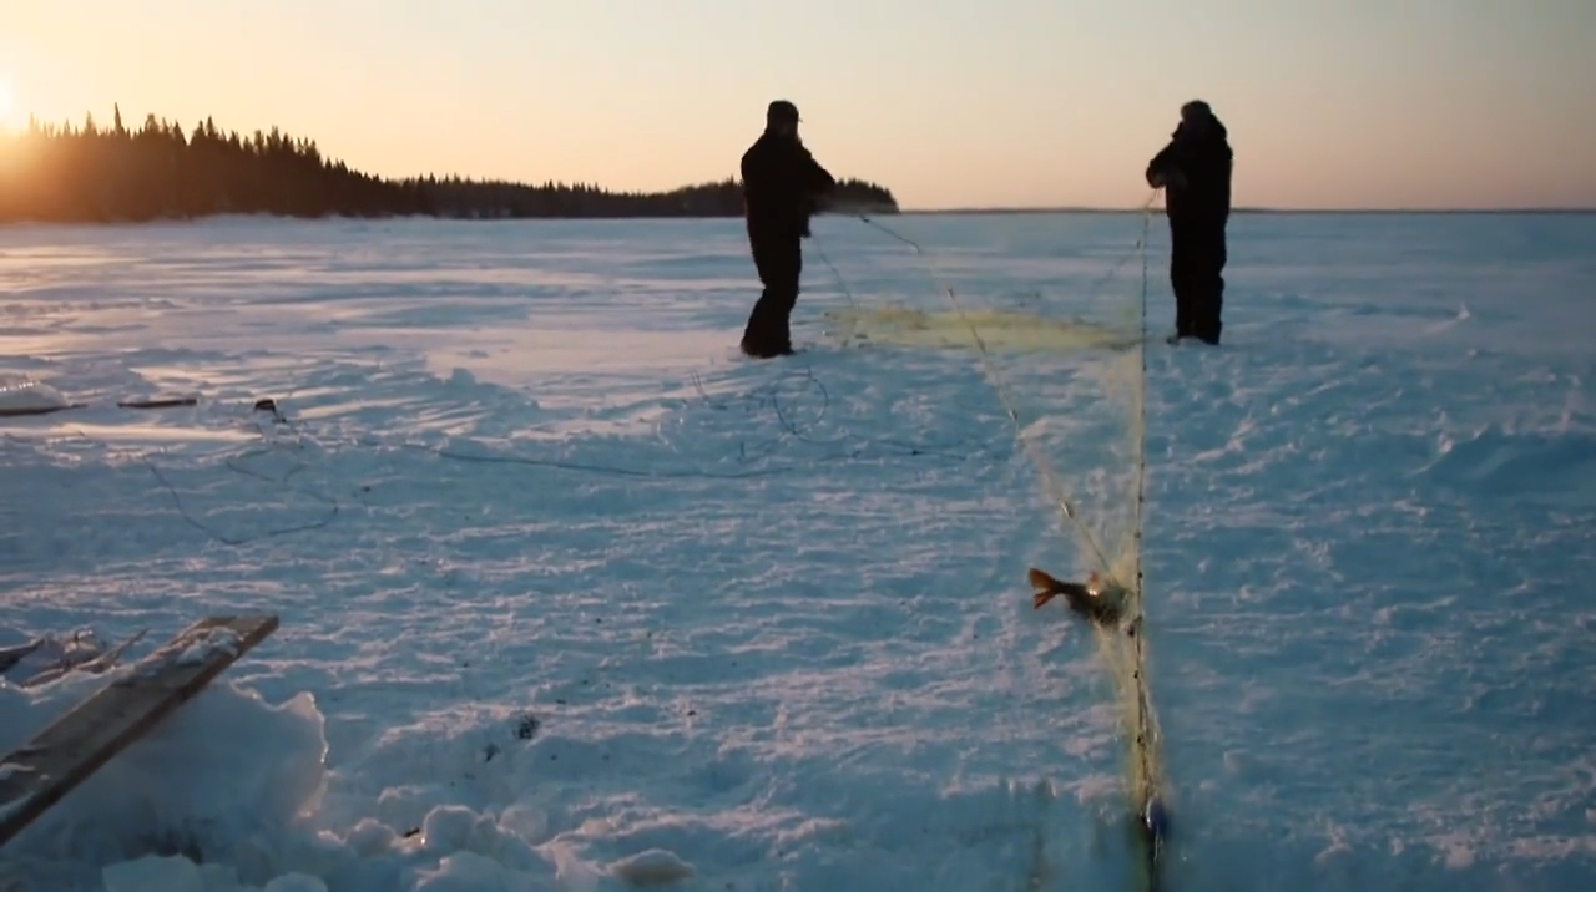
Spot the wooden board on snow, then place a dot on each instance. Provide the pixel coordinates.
(81, 741)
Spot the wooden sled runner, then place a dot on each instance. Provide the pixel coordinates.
(64, 754)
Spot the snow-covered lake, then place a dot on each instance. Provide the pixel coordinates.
(565, 581)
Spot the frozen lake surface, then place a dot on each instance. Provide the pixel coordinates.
(564, 581)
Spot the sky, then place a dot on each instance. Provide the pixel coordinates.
(949, 103)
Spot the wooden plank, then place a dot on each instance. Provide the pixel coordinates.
(67, 752)
(136, 404)
(158, 403)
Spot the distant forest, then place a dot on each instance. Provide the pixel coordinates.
(63, 174)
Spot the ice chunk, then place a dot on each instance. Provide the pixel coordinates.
(371, 837)
(448, 828)
(28, 395)
(655, 867)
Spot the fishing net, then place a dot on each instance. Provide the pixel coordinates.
(1065, 355)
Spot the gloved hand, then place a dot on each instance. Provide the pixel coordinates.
(1169, 179)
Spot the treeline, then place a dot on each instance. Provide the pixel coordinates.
(94, 173)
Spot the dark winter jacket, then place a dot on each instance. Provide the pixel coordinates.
(1196, 164)
(782, 186)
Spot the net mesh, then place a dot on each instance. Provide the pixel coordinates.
(1066, 358)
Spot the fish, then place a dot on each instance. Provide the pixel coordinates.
(1096, 599)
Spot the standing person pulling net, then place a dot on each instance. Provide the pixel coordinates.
(782, 187)
(1194, 169)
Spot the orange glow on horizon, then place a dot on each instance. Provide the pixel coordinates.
(947, 103)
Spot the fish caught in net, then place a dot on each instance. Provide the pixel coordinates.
(1068, 367)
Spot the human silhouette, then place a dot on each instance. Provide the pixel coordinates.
(782, 187)
(1194, 170)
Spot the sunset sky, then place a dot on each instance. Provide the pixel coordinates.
(1330, 103)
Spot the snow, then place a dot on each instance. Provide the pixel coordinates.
(16, 395)
(207, 644)
(574, 597)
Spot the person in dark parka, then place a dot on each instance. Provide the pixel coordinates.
(1194, 171)
(782, 188)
